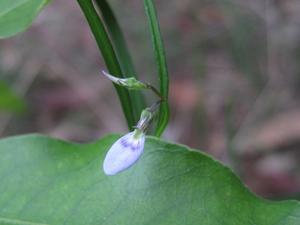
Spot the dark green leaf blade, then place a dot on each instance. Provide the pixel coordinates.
(49, 181)
(159, 51)
(122, 52)
(109, 55)
(17, 15)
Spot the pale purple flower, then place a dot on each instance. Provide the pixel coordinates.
(124, 152)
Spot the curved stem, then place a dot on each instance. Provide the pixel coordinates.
(155, 91)
(159, 51)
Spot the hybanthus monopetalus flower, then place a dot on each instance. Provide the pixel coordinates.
(128, 149)
(124, 152)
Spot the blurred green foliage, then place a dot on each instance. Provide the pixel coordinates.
(9, 101)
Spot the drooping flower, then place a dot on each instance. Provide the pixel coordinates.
(124, 152)
(128, 149)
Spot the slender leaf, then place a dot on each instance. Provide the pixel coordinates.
(122, 51)
(17, 15)
(109, 56)
(159, 51)
(48, 181)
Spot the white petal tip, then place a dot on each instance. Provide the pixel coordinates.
(110, 170)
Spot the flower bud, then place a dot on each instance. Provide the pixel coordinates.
(124, 152)
(131, 83)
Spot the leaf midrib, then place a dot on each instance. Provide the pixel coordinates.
(13, 8)
(19, 222)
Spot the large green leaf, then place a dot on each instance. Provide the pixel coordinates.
(17, 15)
(48, 181)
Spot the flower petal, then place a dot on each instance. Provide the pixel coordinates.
(123, 153)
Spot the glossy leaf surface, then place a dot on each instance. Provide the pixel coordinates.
(17, 15)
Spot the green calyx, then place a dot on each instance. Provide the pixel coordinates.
(130, 83)
(145, 120)
(138, 133)
(133, 84)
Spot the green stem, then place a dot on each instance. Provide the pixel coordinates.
(155, 91)
(122, 51)
(159, 51)
(109, 56)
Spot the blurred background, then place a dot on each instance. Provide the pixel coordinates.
(234, 81)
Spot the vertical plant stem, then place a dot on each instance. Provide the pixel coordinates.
(109, 56)
(159, 51)
(122, 52)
